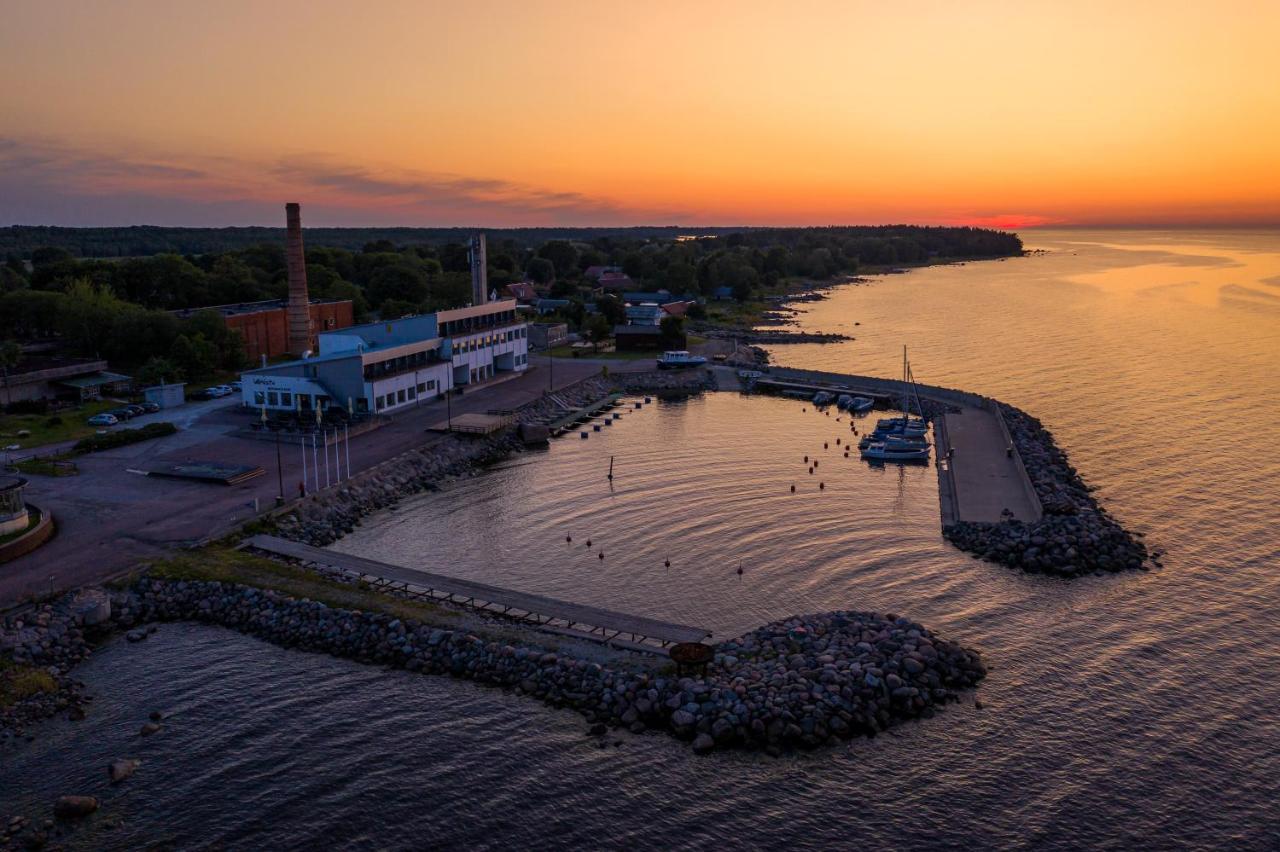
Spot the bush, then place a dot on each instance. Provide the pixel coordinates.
(55, 420)
(28, 406)
(124, 437)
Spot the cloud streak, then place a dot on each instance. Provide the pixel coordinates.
(45, 181)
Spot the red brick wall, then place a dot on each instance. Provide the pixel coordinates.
(267, 332)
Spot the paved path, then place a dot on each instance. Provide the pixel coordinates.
(587, 622)
(985, 477)
(109, 519)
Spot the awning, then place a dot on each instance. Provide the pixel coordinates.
(95, 380)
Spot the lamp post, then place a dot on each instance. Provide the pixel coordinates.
(279, 464)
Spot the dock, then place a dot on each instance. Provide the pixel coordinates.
(563, 618)
(568, 421)
(475, 424)
(980, 474)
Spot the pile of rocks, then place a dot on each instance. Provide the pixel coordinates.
(659, 381)
(52, 638)
(1075, 536)
(803, 682)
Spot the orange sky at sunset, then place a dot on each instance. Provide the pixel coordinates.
(511, 113)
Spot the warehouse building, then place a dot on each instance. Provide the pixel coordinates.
(386, 366)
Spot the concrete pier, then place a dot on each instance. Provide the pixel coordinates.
(981, 469)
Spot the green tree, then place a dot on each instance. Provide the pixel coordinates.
(540, 271)
(395, 308)
(158, 371)
(612, 309)
(10, 355)
(672, 330)
(196, 356)
(563, 256)
(597, 330)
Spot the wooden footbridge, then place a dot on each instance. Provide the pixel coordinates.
(615, 629)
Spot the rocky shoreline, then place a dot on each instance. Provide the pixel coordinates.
(1075, 536)
(800, 683)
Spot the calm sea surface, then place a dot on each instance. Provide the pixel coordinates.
(1133, 711)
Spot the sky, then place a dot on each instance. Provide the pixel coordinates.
(485, 113)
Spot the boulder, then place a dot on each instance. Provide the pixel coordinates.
(74, 807)
(703, 744)
(119, 770)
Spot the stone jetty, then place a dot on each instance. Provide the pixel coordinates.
(800, 683)
(1075, 536)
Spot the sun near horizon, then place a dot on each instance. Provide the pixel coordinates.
(606, 113)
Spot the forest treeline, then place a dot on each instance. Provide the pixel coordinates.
(121, 308)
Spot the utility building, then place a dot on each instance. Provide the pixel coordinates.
(385, 366)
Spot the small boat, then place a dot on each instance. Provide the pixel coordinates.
(896, 440)
(822, 398)
(900, 423)
(679, 359)
(843, 401)
(895, 452)
(861, 404)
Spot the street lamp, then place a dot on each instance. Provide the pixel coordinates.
(279, 464)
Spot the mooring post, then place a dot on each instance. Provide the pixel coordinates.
(610, 467)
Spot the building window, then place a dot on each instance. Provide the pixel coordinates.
(413, 392)
(431, 385)
(259, 398)
(422, 387)
(273, 398)
(400, 395)
(382, 402)
(286, 399)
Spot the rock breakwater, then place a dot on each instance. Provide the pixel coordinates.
(1075, 535)
(799, 683)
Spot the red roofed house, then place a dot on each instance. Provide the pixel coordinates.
(616, 282)
(677, 309)
(522, 292)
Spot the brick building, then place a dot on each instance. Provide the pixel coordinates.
(265, 325)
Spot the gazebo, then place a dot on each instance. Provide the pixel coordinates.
(13, 509)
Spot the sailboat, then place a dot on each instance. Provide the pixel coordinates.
(899, 438)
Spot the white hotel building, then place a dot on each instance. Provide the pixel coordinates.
(386, 366)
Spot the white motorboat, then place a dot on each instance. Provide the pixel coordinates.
(679, 359)
(895, 452)
(861, 404)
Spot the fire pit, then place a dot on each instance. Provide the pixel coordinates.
(693, 655)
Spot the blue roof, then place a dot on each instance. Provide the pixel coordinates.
(395, 332)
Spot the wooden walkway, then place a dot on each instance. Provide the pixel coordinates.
(569, 420)
(631, 632)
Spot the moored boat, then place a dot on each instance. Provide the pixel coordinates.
(679, 359)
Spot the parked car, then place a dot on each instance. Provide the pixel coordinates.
(221, 390)
(149, 407)
(121, 413)
(235, 386)
(103, 419)
(207, 393)
(135, 410)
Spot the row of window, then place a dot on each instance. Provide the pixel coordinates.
(469, 324)
(489, 340)
(285, 399)
(404, 395)
(391, 366)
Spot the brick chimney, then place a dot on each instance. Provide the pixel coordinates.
(299, 310)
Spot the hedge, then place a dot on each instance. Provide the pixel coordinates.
(111, 440)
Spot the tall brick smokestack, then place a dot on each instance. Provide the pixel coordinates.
(479, 271)
(299, 310)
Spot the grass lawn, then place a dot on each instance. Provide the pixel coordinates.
(18, 682)
(65, 425)
(58, 465)
(227, 565)
(567, 353)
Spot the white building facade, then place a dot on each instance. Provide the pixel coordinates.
(391, 366)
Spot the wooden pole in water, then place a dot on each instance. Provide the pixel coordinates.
(611, 468)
